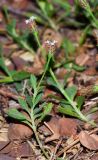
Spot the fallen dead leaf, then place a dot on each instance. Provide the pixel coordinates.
(68, 127)
(37, 66)
(88, 141)
(3, 144)
(19, 131)
(60, 127)
(18, 4)
(83, 57)
(6, 157)
(17, 149)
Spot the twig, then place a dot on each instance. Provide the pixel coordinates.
(6, 93)
(48, 127)
(75, 142)
(53, 157)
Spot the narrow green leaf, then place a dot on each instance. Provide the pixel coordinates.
(80, 101)
(78, 68)
(11, 29)
(50, 81)
(71, 91)
(20, 75)
(33, 81)
(40, 89)
(68, 46)
(37, 110)
(47, 109)
(68, 110)
(2, 63)
(29, 100)
(6, 80)
(23, 104)
(38, 99)
(14, 113)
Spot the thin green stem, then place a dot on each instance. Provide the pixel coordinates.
(40, 144)
(39, 44)
(37, 38)
(38, 86)
(33, 126)
(45, 70)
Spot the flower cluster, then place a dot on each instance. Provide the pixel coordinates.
(50, 45)
(83, 3)
(31, 23)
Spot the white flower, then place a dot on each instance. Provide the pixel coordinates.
(30, 20)
(51, 43)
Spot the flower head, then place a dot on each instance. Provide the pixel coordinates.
(51, 45)
(30, 20)
(31, 23)
(84, 4)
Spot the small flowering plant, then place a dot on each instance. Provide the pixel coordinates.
(36, 114)
(33, 27)
(32, 23)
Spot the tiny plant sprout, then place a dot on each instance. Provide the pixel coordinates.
(32, 23)
(50, 45)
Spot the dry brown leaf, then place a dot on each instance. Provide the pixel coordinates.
(68, 127)
(82, 59)
(18, 4)
(88, 141)
(61, 127)
(6, 157)
(3, 144)
(17, 149)
(37, 66)
(19, 131)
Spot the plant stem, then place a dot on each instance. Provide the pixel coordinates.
(39, 44)
(93, 17)
(37, 38)
(38, 86)
(33, 126)
(82, 117)
(45, 70)
(40, 145)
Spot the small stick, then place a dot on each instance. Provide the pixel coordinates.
(56, 148)
(75, 142)
(6, 93)
(49, 127)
